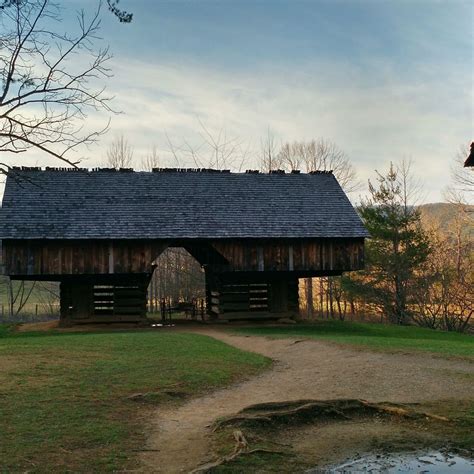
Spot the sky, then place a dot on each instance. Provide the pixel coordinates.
(385, 80)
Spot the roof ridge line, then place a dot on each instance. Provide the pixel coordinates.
(164, 170)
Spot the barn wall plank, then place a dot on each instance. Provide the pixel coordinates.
(47, 257)
(332, 255)
(136, 256)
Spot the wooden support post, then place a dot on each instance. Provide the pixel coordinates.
(65, 304)
(111, 257)
(278, 296)
(202, 308)
(293, 296)
(163, 310)
(260, 260)
(284, 296)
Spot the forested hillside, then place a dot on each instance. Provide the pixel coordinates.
(443, 214)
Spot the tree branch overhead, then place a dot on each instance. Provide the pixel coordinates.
(45, 80)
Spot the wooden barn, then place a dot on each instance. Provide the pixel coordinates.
(98, 233)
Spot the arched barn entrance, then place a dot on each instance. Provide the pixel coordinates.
(253, 234)
(177, 285)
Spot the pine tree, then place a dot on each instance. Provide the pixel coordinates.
(397, 245)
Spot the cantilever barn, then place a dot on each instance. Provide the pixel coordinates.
(99, 232)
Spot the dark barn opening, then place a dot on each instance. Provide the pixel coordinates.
(99, 234)
(178, 281)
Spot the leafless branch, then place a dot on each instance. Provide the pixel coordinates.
(319, 155)
(119, 153)
(215, 150)
(45, 76)
(151, 160)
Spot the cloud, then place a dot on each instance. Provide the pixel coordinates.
(374, 113)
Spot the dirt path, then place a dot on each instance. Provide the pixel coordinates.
(178, 440)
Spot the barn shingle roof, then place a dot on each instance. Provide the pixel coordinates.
(81, 204)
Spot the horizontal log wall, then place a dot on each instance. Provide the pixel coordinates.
(66, 257)
(85, 300)
(241, 297)
(303, 255)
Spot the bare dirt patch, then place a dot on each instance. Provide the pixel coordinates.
(54, 325)
(41, 326)
(180, 438)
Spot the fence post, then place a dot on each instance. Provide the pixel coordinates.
(163, 310)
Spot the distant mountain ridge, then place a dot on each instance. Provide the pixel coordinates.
(443, 213)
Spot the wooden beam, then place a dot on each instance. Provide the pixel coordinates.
(111, 257)
(261, 264)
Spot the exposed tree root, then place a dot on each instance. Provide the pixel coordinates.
(306, 411)
(241, 448)
(299, 412)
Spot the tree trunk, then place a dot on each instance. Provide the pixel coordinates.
(309, 297)
(321, 297)
(10, 298)
(331, 297)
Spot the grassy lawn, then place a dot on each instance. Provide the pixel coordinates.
(376, 336)
(64, 402)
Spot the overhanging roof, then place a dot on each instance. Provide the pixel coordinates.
(81, 204)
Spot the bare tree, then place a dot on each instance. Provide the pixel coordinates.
(177, 276)
(18, 296)
(48, 299)
(45, 75)
(290, 156)
(119, 153)
(122, 15)
(215, 150)
(319, 155)
(410, 186)
(151, 160)
(269, 158)
(443, 295)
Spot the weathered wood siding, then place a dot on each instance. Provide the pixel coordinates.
(335, 255)
(79, 257)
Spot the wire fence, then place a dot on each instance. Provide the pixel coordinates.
(30, 312)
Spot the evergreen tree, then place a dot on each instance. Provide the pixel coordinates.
(397, 245)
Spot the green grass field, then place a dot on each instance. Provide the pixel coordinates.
(64, 403)
(376, 336)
